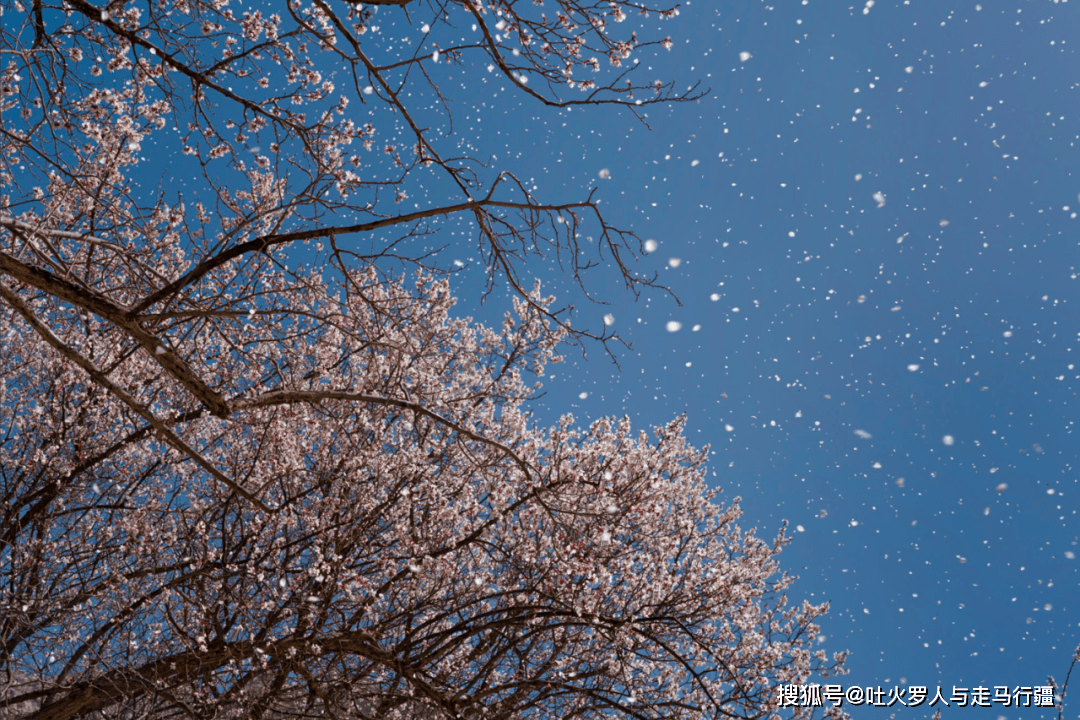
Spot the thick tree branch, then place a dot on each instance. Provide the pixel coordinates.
(122, 317)
(16, 302)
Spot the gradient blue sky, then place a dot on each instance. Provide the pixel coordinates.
(871, 225)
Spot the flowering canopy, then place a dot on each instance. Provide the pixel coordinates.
(425, 547)
(245, 480)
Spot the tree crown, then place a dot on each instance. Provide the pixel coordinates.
(251, 467)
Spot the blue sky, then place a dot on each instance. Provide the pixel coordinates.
(870, 223)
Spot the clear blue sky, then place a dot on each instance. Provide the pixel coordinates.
(871, 225)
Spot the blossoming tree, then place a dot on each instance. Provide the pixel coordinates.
(251, 467)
